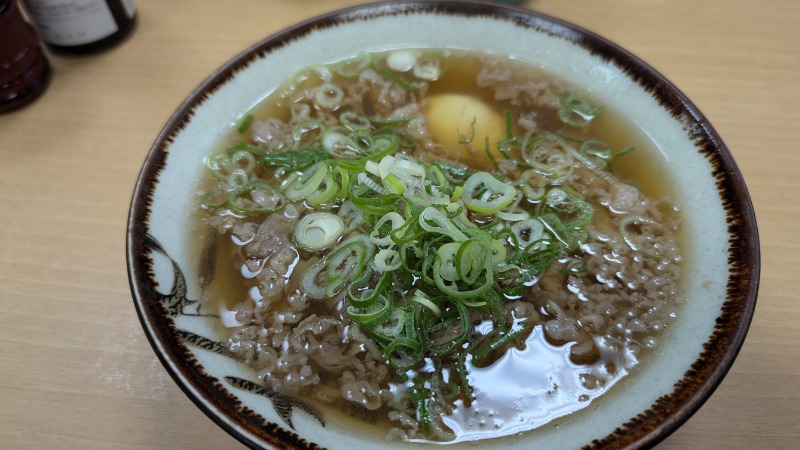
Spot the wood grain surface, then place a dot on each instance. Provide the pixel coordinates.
(76, 370)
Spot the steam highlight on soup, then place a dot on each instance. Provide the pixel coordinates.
(445, 243)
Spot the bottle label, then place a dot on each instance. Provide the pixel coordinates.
(72, 22)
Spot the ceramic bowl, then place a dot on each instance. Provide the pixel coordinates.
(723, 257)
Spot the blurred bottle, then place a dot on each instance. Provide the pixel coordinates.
(82, 27)
(24, 69)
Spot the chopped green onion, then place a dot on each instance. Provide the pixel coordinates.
(381, 235)
(506, 338)
(245, 124)
(339, 143)
(308, 130)
(401, 60)
(403, 353)
(547, 155)
(527, 231)
(534, 186)
(329, 96)
(485, 194)
(432, 220)
(460, 291)
(352, 68)
(422, 299)
(557, 228)
(394, 77)
(389, 122)
(448, 269)
(347, 261)
(256, 198)
(215, 199)
(309, 182)
(359, 291)
(596, 153)
(513, 217)
(472, 257)
(509, 120)
(392, 327)
(577, 111)
(447, 331)
(296, 159)
(468, 139)
(387, 260)
(327, 191)
(318, 231)
(373, 314)
(353, 121)
(428, 70)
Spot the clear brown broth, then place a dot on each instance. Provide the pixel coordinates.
(496, 412)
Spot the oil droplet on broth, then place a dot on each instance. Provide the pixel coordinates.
(528, 388)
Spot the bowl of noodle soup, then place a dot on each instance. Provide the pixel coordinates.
(381, 229)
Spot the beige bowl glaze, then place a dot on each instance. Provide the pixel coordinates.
(724, 264)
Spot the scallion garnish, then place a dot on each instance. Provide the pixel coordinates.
(418, 249)
(245, 124)
(318, 231)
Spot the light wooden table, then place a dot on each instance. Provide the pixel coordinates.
(75, 368)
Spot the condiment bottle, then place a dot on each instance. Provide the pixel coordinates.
(24, 69)
(82, 27)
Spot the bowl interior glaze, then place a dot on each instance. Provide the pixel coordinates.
(167, 283)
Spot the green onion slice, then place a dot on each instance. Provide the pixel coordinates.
(326, 192)
(245, 124)
(527, 231)
(434, 221)
(547, 155)
(513, 335)
(318, 231)
(308, 131)
(329, 96)
(392, 327)
(484, 194)
(216, 198)
(404, 352)
(373, 314)
(346, 261)
(577, 111)
(353, 121)
(293, 160)
(352, 67)
(382, 231)
(461, 291)
(361, 294)
(310, 181)
(256, 198)
(387, 260)
(444, 333)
